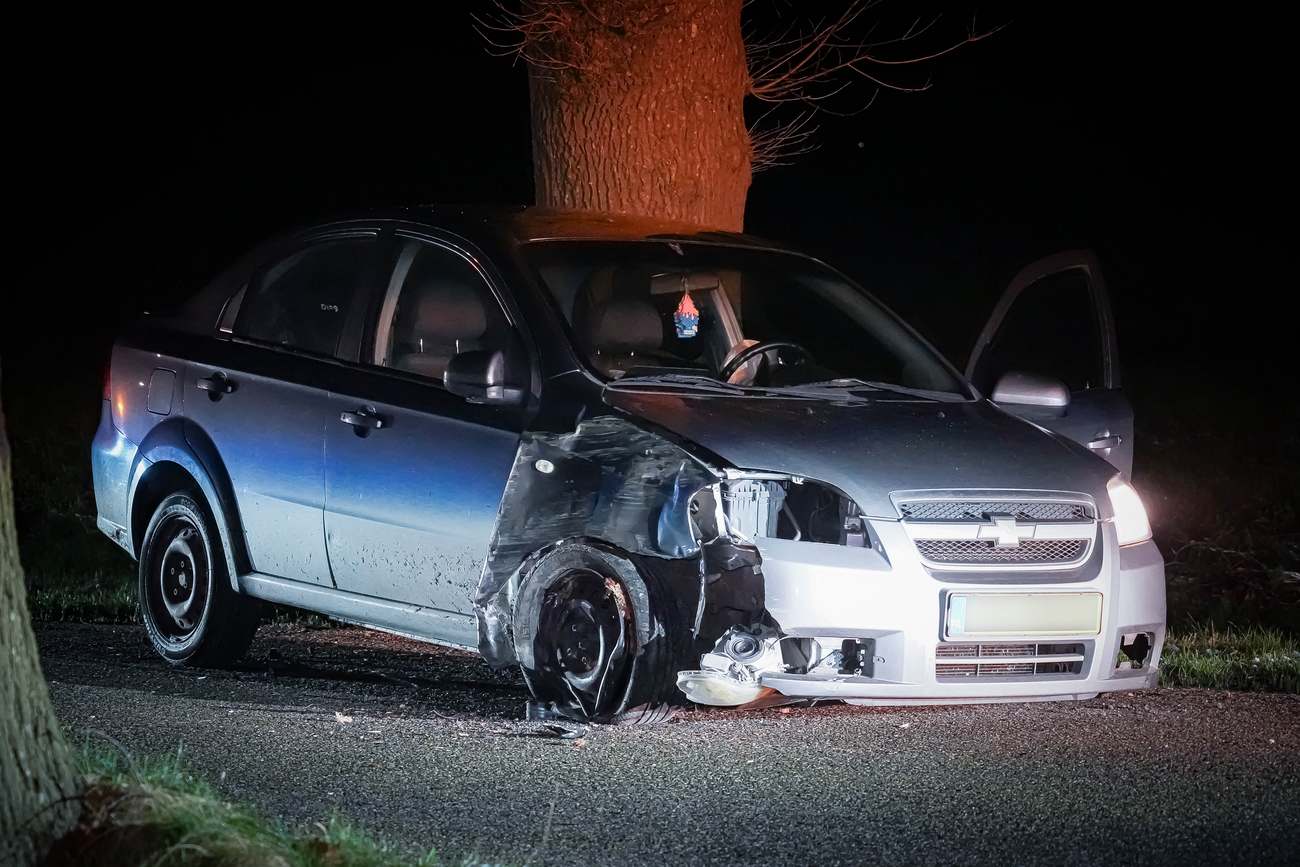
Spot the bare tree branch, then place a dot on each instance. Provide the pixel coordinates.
(814, 66)
(837, 64)
(556, 35)
(778, 145)
(530, 33)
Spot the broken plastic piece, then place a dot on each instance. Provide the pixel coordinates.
(717, 688)
(537, 711)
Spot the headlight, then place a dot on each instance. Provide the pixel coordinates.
(1131, 524)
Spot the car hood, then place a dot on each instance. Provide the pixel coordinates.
(869, 449)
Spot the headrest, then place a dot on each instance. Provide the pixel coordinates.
(448, 310)
(626, 325)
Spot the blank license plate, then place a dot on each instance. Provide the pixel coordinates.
(998, 615)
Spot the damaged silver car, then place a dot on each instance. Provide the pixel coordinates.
(644, 464)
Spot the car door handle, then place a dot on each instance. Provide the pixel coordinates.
(362, 418)
(1106, 442)
(216, 384)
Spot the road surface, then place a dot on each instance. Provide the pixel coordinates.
(427, 747)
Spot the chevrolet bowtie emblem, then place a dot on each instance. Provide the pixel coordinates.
(1005, 531)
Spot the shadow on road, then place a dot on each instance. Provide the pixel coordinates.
(297, 666)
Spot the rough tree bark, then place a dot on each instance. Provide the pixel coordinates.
(637, 108)
(36, 773)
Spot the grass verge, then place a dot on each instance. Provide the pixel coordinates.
(1253, 658)
(156, 811)
(111, 598)
(105, 598)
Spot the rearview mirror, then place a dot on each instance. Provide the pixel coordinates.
(492, 376)
(1030, 389)
(677, 282)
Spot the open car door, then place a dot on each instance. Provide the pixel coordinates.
(1048, 354)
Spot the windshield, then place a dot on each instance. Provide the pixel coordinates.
(679, 311)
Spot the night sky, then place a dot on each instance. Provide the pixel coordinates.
(152, 151)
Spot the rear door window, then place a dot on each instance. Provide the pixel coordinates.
(303, 301)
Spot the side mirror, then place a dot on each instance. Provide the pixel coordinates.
(1031, 390)
(492, 376)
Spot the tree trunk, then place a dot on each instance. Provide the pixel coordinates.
(36, 771)
(637, 108)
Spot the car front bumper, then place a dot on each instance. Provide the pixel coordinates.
(830, 593)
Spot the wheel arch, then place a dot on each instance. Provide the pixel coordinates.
(176, 456)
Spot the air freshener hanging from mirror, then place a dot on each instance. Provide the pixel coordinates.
(687, 316)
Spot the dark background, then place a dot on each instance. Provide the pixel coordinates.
(150, 151)
(146, 152)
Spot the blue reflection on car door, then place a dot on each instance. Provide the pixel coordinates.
(411, 498)
(269, 433)
(413, 473)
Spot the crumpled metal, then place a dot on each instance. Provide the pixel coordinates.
(608, 480)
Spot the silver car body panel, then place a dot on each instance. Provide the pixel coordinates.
(418, 535)
(830, 593)
(871, 449)
(270, 435)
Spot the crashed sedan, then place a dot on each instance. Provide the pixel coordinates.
(643, 463)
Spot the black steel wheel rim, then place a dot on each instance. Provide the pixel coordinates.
(177, 580)
(584, 638)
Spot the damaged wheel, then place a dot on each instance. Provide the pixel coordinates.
(191, 613)
(601, 645)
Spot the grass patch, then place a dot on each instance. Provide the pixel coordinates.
(157, 811)
(111, 598)
(1253, 658)
(1219, 468)
(105, 598)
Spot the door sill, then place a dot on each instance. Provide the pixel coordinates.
(423, 623)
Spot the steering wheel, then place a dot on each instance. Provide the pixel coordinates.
(759, 348)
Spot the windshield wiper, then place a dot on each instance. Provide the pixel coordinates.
(702, 383)
(686, 380)
(854, 384)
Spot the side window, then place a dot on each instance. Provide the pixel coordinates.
(437, 305)
(1051, 330)
(304, 300)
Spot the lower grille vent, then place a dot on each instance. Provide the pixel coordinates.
(964, 661)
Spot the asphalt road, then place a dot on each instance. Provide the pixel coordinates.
(428, 747)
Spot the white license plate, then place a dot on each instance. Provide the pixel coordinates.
(998, 615)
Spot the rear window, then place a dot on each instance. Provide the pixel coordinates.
(303, 300)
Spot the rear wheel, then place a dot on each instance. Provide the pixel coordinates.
(191, 613)
(587, 659)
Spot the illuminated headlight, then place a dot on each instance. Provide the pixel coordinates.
(1131, 524)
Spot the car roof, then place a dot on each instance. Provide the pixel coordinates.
(523, 224)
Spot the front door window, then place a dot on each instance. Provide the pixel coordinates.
(437, 306)
(1051, 330)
